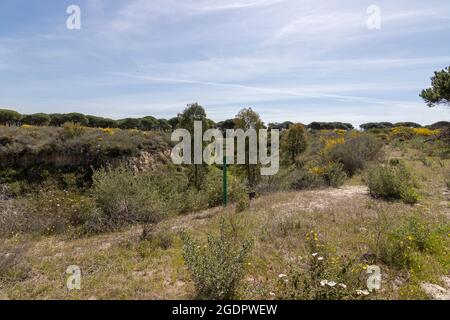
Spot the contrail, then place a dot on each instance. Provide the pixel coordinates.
(271, 90)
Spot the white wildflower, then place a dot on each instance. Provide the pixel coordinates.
(282, 275)
(314, 254)
(320, 258)
(323, 283)
(343, 285)
(364, 292)
(331, 283)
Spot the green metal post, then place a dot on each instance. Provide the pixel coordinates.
(225, 187)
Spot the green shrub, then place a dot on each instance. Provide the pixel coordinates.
(392, 182)
(334, 174)
(194, 200)
(356, 153)
(404, 246)
(158, 238)
(49, 211)
(304, 179)
(27, 152)
(212, 190)
(409, 195)
(213, 187)
(217, 267)
(280, 226)
(72, 130)
(402, 133)
(279, 182)
(126, 197)
(294, 141)
(324, 276)
(241, 197)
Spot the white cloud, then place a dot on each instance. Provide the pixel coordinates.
(144, 57)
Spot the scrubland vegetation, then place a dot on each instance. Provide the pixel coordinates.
(110, 201)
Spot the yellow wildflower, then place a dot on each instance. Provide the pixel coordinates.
(425, 132)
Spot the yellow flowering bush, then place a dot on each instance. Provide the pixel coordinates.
(312, 236)
(331, 142)
(340, 132)
(316, 170)
(108, 131)
(406, 245)
(332, 174)
(402, 132)
(354, 134)
(425, 132)
(409, 133)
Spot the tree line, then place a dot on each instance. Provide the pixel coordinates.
(389, 125)
(148, 123)
(13, 118)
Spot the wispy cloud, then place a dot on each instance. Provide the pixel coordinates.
(296, 59)
(316, 92)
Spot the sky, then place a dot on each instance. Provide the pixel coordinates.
(290, 60)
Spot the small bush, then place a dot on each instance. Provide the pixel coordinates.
(13, 219)
(12, 264)
(213, 187)
(404, 246)
(279, 182)
(334, 174)
(212, 190)
(402, 133)
(242, 202)
(72, 130)
(240, 196)
(355, 153)
(125, 197)
(280, 227)
(217, 267)
(160, 238)
(48, 212)
(305, 179)
(409, 195)
(323, 277)
(392, 182)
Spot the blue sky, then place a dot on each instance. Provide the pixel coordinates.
(297, 60)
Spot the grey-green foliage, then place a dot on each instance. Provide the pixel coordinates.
(217, 267)
(321, 276)
(334, 174)
(392, 182)
(213, 188)
(402, 245)
(355, 153)
(124, 196)
(304, 179)
(241, 197)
